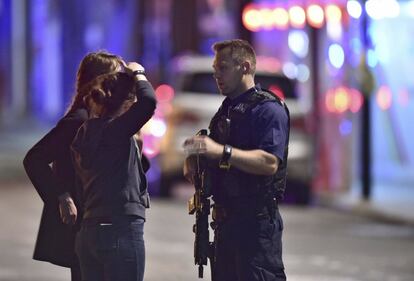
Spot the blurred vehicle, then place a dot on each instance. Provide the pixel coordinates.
(197, 99)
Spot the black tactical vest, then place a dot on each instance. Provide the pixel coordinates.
(234, 186)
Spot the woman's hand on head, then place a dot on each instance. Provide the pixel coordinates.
(134, 66)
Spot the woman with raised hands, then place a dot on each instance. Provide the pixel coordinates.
(113, 185)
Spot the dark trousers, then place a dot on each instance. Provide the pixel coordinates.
(75, 273)
(112, 251)
(249, 249)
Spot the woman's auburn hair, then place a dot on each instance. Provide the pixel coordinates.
(92, 65)
(111, 90)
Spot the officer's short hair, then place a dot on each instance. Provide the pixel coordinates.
(241, 51)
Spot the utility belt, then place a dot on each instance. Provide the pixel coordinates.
(108, 220)
(226, 212)
(96, 221)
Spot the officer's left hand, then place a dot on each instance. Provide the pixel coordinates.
(203, 145)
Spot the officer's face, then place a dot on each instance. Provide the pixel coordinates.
(227, 72)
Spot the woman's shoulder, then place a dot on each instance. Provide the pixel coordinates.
(95, 124)
(72, 120)
(77, 114)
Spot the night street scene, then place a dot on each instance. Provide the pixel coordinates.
(341, 67)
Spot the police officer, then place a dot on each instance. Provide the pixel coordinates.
(247, 154)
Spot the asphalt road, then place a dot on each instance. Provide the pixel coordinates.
(319, 244)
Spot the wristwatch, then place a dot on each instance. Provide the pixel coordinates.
(224, 161)
(140, 71)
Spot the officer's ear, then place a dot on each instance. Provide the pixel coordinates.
(246, 67)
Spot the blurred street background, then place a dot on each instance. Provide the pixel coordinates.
(343, 67)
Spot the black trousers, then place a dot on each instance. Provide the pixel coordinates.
(249, 249)
(75, 273)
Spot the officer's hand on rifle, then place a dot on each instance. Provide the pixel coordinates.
(199, 204)
(203, 145)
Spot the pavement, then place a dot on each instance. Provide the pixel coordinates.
(318, 243)
(390, 202)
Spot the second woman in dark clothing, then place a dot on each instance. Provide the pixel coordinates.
(48, 165)
(110, 244)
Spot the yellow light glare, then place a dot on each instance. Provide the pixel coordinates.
(281, 18)
(333, 13)
(267, 18)
(297, 16)
(315, 16)
(342, 100)
(252, 19)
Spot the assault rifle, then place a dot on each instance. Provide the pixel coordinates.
(199, 204)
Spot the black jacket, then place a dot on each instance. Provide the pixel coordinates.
(55, 240)
(107, 160)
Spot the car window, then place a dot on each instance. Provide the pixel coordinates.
(277, 84)
(204, 83)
